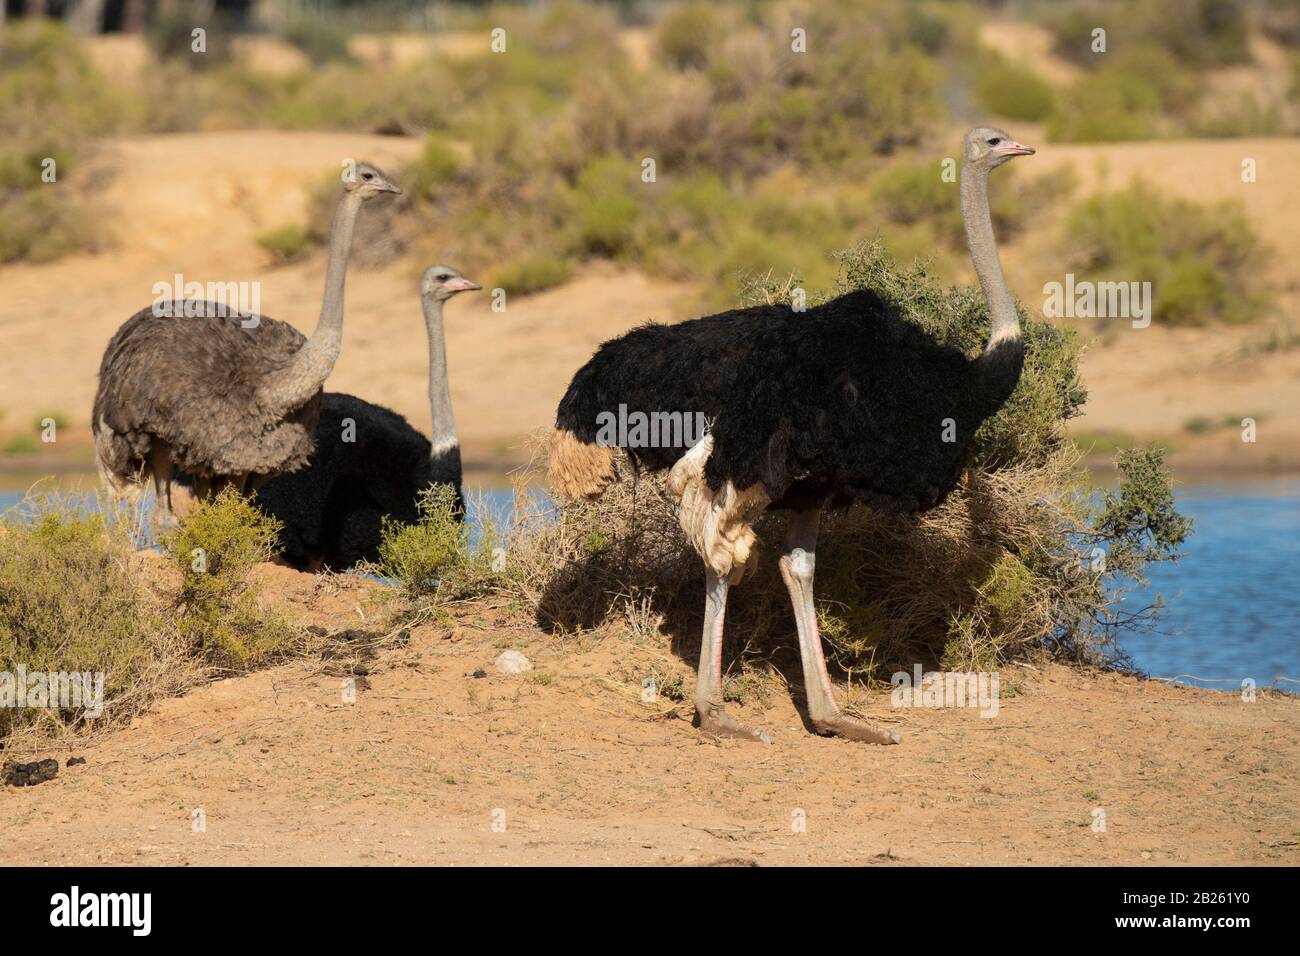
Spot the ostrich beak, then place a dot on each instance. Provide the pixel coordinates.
(461, 284)
(1015, 149)
(391, 188)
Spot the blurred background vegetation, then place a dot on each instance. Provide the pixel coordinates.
(765, 158)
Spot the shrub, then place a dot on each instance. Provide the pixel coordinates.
(50, 101)
(1014, 91)
(686, 35)
(72, 601)
(286, 243)
(912, 193)
(603, 207)
(535, 274)
(215, 548)
(322, 40)
(1247, 117)
(23, 444)
(1134, 94)
(1202, 260)
(437, 556)
(1202, 33)
(436, 166)
(172, 36)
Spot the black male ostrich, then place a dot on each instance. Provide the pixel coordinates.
(226, 398)
(845, 402)
(369, 463)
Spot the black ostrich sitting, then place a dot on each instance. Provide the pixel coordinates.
(369, 463)
(845, 402)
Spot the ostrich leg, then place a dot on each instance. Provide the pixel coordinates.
(797, 565)
(160, 465)
(713, 716)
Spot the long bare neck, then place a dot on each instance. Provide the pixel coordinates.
(313, 362)
(443, 436)
(984, 255)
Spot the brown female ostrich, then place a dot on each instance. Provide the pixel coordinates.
(227, 398)
(845, 402)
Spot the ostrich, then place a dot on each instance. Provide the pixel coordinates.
(369, 462)
(845, 402)
(227, 398)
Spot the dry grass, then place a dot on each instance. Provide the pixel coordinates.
(77, 596)
(989, 576)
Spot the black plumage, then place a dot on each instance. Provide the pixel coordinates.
(332, 510)
(846, 401)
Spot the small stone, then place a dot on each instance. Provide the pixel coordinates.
(512, 662)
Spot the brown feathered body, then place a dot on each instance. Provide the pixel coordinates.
(192, 382)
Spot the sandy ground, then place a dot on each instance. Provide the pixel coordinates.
(579, 770)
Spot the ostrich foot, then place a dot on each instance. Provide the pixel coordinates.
(850, 729)
(715, 720)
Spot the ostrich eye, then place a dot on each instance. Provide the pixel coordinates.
(367, 176)
(995, 140)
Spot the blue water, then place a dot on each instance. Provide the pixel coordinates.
(1232, 603)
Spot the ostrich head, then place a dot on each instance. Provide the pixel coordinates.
(990, 147)
(369, 182)
(443, 282)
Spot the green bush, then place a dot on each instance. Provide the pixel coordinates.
(534, 274)
(322, 40)
(22, 444)
(1203, 260)
(172, 38)
(1135, 93)
(604, 207)
(1247, 117)
(687, 34)
(286, 243)
(51, 101)
(70, 601)
(436, 166)
(1014, 91)
(914, 192)
(437, 556)
(1201, 33)
(215, 548)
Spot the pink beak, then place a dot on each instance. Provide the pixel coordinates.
(461, 284)
(1015, 149)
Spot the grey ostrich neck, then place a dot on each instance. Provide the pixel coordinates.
(984, 255)
(313, 363)
(443, 435)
